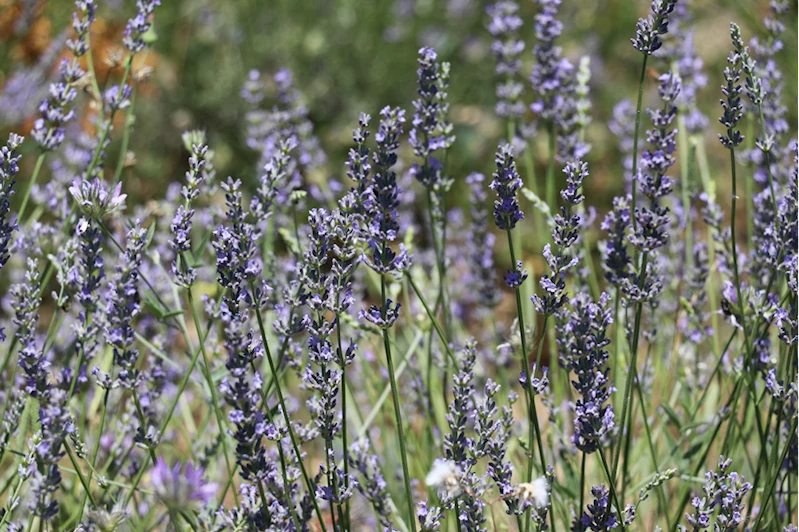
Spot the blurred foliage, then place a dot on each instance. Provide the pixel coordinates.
(352, 56)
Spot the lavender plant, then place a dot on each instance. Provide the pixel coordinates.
(220, 356)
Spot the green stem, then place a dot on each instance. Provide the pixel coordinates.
(636, 135)
(552, 199)
(628, 386)
(433, 319)
(209, 378)
(344, 443)
(611, 484)
(130, 117)
(773, 481)
(36, 170)
(687, 156)
(532, 414)
(287, 420)
(397, 411)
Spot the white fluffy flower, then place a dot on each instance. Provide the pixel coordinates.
(445, 478)
(535, 492)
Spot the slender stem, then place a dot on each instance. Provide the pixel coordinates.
(36, 170)
(628, 386)
(107, 129)
(433, 319)
(582, 486)
(181, 387)
(308, 483)
(209, 378)
(687, 156)
(653, 455)
(7, 514)
(80, 475)
(344, 443)
(768, 167)
(636, 134)
(96, 448)
(773, 481)
(286, 485)
(532, 414)
(611, 484)
(130, 117)
(397, 410)
(552, 199)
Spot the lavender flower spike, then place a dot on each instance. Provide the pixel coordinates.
(587, 357)
(182, 221)
(181, 490)
(507, 48)
(649, 30)
(95, 200)
(552, 76)
(506, 184)
(81, 25)
(9, 166)
(731, 104)
(49, 130)
(139, 25)
(429, 133)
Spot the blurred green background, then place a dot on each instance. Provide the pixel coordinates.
(350, 56)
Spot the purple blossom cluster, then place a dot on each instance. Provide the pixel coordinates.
(504, 26)
(232, 356)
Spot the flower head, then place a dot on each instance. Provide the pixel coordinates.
(95, 200)
(139, 25)
(504, 25)
(445, 478)
(506, 184)
(180, 489)
(535, 492)
(651, 29)
(9, 166)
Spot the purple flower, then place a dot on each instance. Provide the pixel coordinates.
(600, 516)
(723, 491)
(493, 442)
(49, 130)
(731, 104)
(26, 304)
(565, 235)
(122, 306)
(481, 246)
(95, 200)
(139, 25)
(430, 131)
(650, 232)
(515, 277)
(277, 174)
(651, 29)
(81, 24)
(506, 184)
(582, 341)
(773, 84)
(181, 489)
(381, 214)
(681, 51)
(552, 75)
(267, 129)
(181, 225)
(371, 483)
(504, 26)
(9, 166)
(429, 517)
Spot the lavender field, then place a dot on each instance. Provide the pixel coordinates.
(414, 265)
